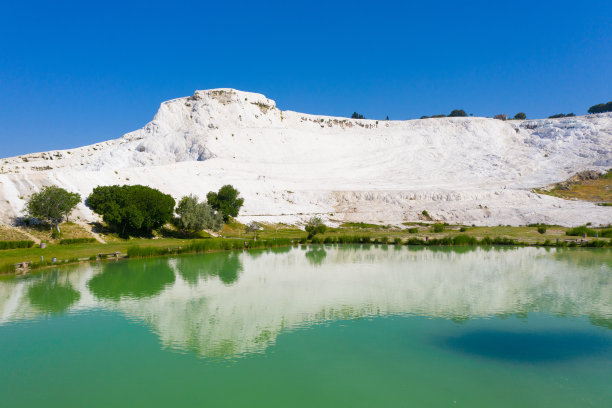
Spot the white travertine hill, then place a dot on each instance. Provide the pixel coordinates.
(290, 165)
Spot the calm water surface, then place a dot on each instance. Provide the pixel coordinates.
(314, 327)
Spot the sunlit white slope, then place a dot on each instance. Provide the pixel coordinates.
(290, 165)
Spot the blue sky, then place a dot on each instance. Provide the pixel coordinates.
(75, 73)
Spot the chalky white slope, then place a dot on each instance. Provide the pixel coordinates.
(291, 165)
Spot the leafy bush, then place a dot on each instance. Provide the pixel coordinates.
(69, 241)
(196, 216)
(16, 244)
(437, 228)
(425, 214)
(329, 240)
(415, 241)
(315, 226)
(131, 209)
(520, 116)
(579, 231)
(227, 201)
(561, 115)
(589, 232)
(52, 204)
(542, 229)
(413, 230)
(601, 108)
(464, 240)
(457, 113)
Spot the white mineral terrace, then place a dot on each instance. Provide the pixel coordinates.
(290, 165)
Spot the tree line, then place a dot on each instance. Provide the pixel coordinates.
(599, 108)
(137, 209)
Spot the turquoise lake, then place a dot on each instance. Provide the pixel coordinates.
(320, 326)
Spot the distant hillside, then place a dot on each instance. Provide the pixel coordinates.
(290, 165)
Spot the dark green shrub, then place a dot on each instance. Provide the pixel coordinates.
(520, 116)
(131, 209)
(437, 228)
(542, 229)
(69, 241)
(227, 201)
(601, 108)
(413, 230)
(579, 231)
(16, 244)
(414, 241)
(464, 240)
(457, 113)
(315, 226)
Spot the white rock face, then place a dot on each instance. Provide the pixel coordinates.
(290, 165)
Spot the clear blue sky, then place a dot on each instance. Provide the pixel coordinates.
(75, 73)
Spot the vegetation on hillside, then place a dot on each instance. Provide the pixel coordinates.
(51, 205)
(196, 216)
(561, 115)
(315, 226)
(586, 186)
(601, 108)
(131, 209)
(227, 201)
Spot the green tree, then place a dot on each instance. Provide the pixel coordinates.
(356, 115)
(131, 209)
(227, 201)
(197, 216)
(315, 226)
(457, 113)
(601, 108)
(52, 204)
(520, 116)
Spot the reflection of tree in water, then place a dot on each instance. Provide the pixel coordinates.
(137, 279)
(51, 296)
(225, 265)
(315, 255)
(601, 321)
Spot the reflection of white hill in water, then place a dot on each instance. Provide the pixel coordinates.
(210, 315)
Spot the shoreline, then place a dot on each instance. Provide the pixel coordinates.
(212, 245)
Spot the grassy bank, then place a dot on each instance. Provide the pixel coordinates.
(235, 237)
